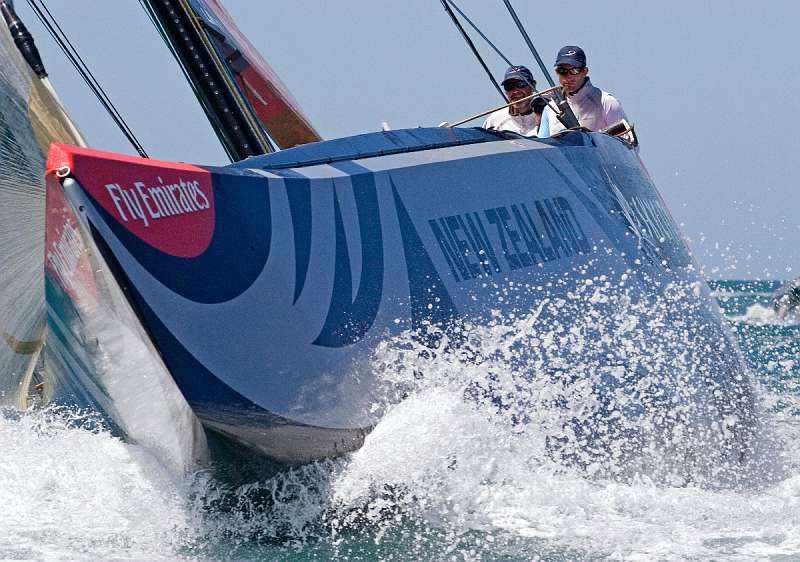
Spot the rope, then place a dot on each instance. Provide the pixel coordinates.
(529, 42)
(472, 46)
(160, 28)
(71, 53)
(479, 32)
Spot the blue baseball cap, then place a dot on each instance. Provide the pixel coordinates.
(571, 55)
(519, 73)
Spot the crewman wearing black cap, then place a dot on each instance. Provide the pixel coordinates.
(594, 108)
(522, 118)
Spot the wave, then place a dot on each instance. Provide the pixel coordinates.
(481, 453)
(70, 490)
(761, 315)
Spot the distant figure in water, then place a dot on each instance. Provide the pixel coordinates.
(594, 108)
(521, 118)
(787, 300)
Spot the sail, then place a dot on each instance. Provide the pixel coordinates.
(249, 108)
(276, 109)
(31, 117)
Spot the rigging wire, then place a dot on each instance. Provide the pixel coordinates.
(472, 47)
(71, 53)
(230, 113)
(475, 27)
(160, 28)
(529, 42)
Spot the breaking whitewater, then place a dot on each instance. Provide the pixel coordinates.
(475, 459)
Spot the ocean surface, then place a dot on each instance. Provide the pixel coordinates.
(438, 479)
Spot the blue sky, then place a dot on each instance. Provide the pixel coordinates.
(708, 84)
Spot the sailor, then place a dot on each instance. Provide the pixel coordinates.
(594, 108)
(520, 117)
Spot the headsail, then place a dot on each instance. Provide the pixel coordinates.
(31, 117)
(213, 51)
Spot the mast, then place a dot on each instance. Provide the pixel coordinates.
(248, 105)
(229, 114)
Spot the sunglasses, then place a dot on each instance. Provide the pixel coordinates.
(514, 85)
(574, 71)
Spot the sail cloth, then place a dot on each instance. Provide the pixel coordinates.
(275, 108)
(31, 117)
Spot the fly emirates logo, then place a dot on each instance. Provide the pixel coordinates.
(152, 203)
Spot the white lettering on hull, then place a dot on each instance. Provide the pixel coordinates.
(151, 203)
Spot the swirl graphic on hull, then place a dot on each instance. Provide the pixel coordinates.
(349, 319)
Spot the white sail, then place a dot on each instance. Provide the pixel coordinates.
(31, 117)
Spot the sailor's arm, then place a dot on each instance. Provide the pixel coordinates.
(613, 113)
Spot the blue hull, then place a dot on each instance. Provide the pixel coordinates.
(266, 287)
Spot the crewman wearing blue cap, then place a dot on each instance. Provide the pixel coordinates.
(520, 118)
(594, 108)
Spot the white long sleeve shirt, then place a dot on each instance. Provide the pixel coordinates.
(594, 108)
(502, 120)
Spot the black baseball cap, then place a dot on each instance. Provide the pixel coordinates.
(571, 55)
(519, 73)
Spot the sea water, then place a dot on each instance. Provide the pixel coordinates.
(442, 477)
